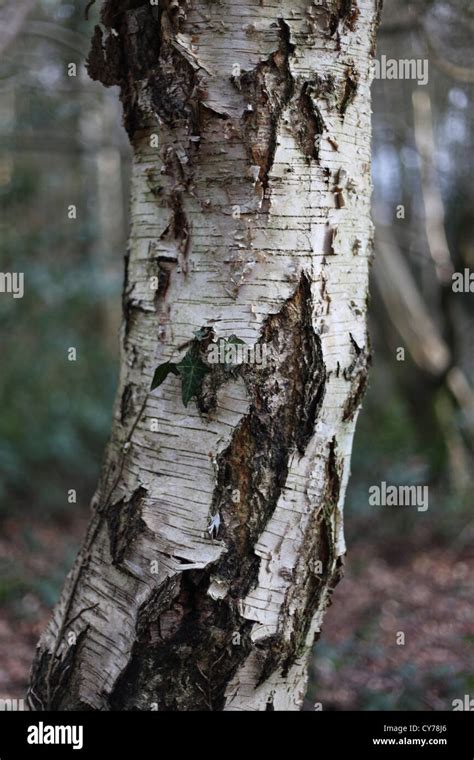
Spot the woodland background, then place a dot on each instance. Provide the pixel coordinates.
(61, 143)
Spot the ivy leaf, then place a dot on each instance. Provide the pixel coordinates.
(193, 371)
(162, 372)
(234, 340)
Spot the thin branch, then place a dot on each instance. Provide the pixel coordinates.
(461, 73)
(88, 7)
(54, 33)
(432, 200)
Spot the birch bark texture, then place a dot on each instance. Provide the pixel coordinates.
(250, 123)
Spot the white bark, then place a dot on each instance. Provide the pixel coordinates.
(287, 141)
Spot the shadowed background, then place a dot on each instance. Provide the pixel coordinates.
(407, 572)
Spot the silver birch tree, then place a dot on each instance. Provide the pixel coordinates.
(216, 536)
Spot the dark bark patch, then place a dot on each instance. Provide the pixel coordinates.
(136, 53)
(104, 62)
(357, 374)
(189, 667)
(256, 462)
(345, 12)
(176, 10)
(181, 229)
(162, 268)
(349, 13)
(350, 90)
(174, 88)
(125, 524)
(268, 90)
(49, 675)
(306, 117)
(126, 403)
(308, 122)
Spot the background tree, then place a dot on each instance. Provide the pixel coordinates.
(216, 537)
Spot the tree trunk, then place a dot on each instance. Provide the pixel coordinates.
(216, 537)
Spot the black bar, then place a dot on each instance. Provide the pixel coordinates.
(310, 734)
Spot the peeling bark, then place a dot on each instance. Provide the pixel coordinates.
(268, 89)
(250, 127)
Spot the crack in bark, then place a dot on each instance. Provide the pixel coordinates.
(270, 436)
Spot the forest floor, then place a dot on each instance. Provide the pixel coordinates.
(399, 634)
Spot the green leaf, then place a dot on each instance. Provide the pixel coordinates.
(193, 371)
(232, 340)
(162, 372)
(235, 340)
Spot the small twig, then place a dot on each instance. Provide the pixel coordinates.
(88, 6)
(204, 676)
(32, 693)
(85, 609)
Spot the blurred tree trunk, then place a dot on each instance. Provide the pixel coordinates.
(251, 214)
(12, 17)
